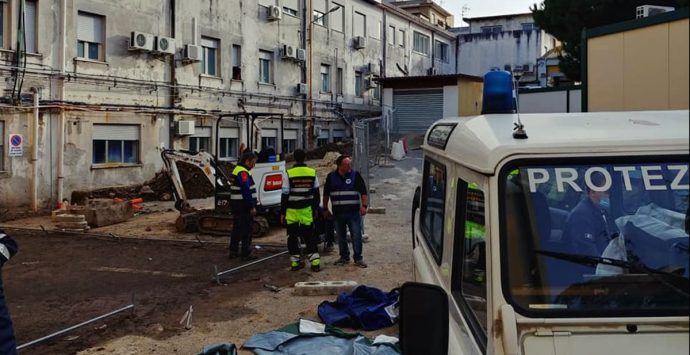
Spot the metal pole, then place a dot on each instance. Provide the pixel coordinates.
(218, 274)
(33, 342)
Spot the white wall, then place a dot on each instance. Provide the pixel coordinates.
(551, 101)
(450, 101)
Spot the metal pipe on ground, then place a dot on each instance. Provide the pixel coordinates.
(66, 330)
(217, 275)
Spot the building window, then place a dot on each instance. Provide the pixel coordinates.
(291, 7)
(236, 62)
(3, 11)
(322, 139)
(337, 18)
(441, 51)
(338, 135)
(319, 18)
(210, 62)
(289, 140)
(433, 206)
(113, 144)
(31, 26)
(229, 143)
(401, 40)
(2, 145)
(265, 67)
(528, 26)
(358, 84)
(90, 36)
(201, 140)
(339, 81)
(325, 78)
(420, 43)
(268, 138)
(491, 29)
(391, 35)
(359, 25)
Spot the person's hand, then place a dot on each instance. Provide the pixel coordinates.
(252, 212)
(328, 214)
(282, 219)
(362, 211)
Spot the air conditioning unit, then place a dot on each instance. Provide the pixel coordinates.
(289, 52)
(275, 13)
(301, 54)
(140, 41)
(651, 10)
(371, 68)
(165, 45)
(185, 128)
(369, 82)
(432, 71)
(192, 53)
(302, 89)
(360, 42)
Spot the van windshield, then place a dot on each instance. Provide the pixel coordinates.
(606, 239)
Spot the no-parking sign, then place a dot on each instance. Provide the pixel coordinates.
(16, 145)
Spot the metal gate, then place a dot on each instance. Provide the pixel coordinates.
(360, 149)
(416, 110)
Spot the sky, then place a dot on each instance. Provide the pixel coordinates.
(479, 8)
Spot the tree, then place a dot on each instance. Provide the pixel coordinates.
(565, 20)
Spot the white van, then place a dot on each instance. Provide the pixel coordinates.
(571, 241)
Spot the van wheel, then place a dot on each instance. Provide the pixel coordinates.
(415, 205)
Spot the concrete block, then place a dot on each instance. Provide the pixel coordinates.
(104, 212)
(320, 288)
(376, 210)
(70, 218)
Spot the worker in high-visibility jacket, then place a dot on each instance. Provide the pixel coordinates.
(8, 344)
(299, 208)
(243, 206)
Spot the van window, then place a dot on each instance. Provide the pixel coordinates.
(604, 239)
(469, 260)
(433, 206)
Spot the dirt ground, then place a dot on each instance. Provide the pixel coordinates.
(57, 281)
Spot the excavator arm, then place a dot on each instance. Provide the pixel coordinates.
(204, 161)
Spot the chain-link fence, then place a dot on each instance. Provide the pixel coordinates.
(369, 146)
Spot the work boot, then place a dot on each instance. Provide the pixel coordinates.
(315, 263)
(296, 265)
(342, 262)
(233, 255)
(361, 264)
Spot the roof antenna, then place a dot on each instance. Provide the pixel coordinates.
(519, 129)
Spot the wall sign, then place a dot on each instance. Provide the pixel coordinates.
(16, 145)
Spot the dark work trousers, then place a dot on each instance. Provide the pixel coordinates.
(241, 233)
(325, 230)
(8, 345)
(295, 231)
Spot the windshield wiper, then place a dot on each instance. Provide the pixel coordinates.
(591, 260)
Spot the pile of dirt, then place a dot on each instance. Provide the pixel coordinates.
(344, 147)
(329, 159)
(195, 183)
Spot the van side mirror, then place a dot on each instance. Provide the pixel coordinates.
(423, 319)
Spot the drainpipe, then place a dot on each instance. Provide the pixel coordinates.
(173, 80)
(34, 153)
(61, 120)
(303, 76)
(310, 102)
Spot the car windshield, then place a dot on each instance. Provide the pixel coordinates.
(609, 239)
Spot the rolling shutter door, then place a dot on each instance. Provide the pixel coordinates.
(115, 132)
(416, 110)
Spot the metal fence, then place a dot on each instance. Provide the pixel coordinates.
(369, 145)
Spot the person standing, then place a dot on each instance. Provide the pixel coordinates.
(347, 192)
(243, 206)
(298, 210)
(8, 343)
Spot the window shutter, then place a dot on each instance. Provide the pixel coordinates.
(290, 134)
(269, 133)
(202, 132)
(229, 133)
(31, 20)
(90, 28)
(115, 132)
(209, 42)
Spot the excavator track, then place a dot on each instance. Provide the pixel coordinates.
(212, 223)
